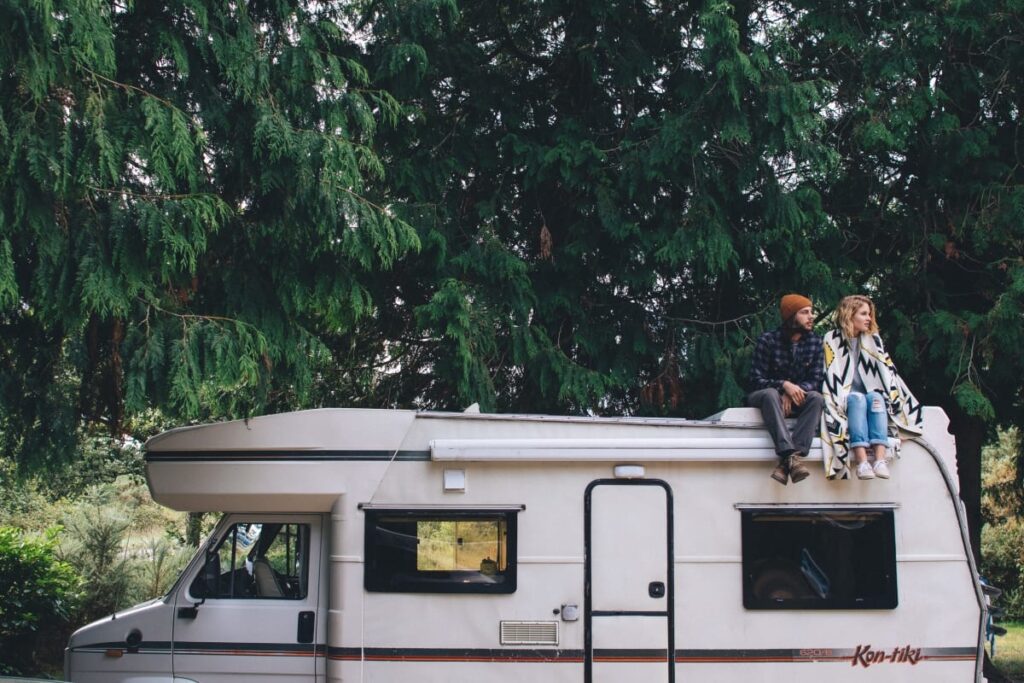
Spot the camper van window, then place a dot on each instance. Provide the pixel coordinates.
(417, 551)
(257, 560)
(819, 559)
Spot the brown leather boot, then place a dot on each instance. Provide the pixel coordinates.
(781, 471)
(797, 470)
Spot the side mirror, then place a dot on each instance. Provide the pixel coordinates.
(205, 584)
(133, 640)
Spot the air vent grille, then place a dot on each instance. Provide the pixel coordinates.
(529, 633)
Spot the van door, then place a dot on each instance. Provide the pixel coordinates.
(249, 607)
(629, 588)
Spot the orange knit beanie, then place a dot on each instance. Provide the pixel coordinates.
(791, 303)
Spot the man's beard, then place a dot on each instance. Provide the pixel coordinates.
(793, 327)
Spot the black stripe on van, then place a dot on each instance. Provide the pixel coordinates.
(156, 647)
(687, 656)
(249, 649)
(289, 456)
(442, 654)
(511, 655)
(145, 647)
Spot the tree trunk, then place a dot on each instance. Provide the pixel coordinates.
(970, 433)
(194, 529)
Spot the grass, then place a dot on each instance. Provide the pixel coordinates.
(1010, 650)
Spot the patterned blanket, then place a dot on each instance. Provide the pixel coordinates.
(878, 373)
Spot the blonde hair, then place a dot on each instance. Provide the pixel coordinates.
(846, 310)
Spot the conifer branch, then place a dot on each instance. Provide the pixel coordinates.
(195, 316)
(358, 197)
(719, 323)
(128, 87)
(154, 197)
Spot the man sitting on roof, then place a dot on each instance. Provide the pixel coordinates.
(785, 380)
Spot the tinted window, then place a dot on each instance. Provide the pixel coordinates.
(446, 552)
(257, 560)
(819, 559)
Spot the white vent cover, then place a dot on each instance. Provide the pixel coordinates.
(529, 633)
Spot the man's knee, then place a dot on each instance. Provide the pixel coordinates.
(756, 398)
(767, 401)
(814, 399)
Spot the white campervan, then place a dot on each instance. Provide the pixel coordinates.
(396, 546)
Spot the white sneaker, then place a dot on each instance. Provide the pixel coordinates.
(881, 469)
(864, 471)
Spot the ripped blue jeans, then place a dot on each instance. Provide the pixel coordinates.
(868, 419)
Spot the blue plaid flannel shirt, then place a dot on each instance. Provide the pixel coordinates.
(776, 360)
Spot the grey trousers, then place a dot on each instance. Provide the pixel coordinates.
(808, 420)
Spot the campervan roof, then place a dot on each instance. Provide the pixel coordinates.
(326, 428)
(306, 458)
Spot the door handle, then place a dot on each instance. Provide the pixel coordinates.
(305, 631)
(656, 589)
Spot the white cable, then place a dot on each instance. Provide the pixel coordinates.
(362, 593)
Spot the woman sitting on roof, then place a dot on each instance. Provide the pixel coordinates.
(866, 401)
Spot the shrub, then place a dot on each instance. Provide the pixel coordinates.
(95, 546)
(1002, 537)
(1002, 564)
(22, 504)
(159, 564)
(116, 538)
(37, 595)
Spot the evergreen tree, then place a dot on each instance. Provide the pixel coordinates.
(188, 196)
(594, 204)
(925, 115)
(591, 182)
(611, 196)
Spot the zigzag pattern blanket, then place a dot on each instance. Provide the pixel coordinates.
(878, 373)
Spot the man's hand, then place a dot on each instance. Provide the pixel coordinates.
(794, 392)
(787, 405)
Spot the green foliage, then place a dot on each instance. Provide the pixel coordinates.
(160, 562)
(119, 547)
(924, 120)
(1009, 652)
(117, 540)
(545, 207)
(590, 183)
(210, 210)
(1002, 552)
(100, 460)
(23, 502)
(1002, 539)
(928, 140)
(37, 595)
(95, 546)
(188, 199)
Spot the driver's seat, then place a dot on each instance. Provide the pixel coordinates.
(267, 585)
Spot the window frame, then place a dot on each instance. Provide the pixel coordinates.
(888, 601)
(303, 535)
(378, 579)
